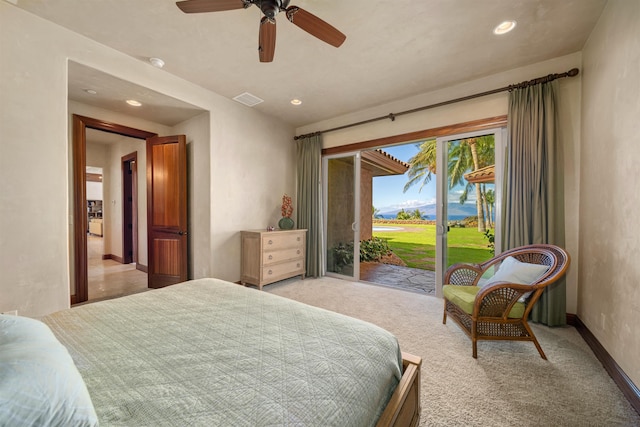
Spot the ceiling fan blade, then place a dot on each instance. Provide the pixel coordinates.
(315, 26)
(198, 6)
(267, 39)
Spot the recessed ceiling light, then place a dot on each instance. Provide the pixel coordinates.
(156, 62)
(134, 102)
(504, 27)
(90, 91)
(296, 101)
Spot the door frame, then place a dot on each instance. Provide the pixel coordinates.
(79, 166)
(355, 225)
(442, 192)
(130, 215)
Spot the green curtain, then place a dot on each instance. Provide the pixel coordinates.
(534, 193)
(309, 197)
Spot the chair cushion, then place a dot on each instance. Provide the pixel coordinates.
(465, 296)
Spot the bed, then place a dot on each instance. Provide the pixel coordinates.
(211, 353)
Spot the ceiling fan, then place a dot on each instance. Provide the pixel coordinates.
(270, 8)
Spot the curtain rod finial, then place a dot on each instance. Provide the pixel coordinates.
(573, 72)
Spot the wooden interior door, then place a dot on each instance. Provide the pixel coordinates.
(167, 210)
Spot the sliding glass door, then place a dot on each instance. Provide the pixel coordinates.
(469, 198)
(341, 175)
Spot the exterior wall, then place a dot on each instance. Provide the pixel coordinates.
(609, 294)
(340, 204)
(366, 202)
(244, 190)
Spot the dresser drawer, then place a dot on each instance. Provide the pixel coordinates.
(282, 241)
(281, 255)
(283, 270)
(271, 256)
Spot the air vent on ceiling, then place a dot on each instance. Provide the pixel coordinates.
(248, 99)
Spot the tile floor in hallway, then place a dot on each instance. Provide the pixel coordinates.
(109, 278)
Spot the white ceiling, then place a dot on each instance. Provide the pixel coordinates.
(394, 49)
(112, 92)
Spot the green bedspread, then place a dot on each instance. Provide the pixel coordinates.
(211, 353)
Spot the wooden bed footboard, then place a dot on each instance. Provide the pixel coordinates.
(403, 409)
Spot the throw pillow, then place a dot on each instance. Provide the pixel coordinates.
(513, 271)
(39, 383)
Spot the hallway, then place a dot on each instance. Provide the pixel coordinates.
(108, 278)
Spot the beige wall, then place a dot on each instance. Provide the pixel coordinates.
(488, 106)
(250, 161)
(609, 294)
(199, 224)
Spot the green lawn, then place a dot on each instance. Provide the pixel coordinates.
(416, 245)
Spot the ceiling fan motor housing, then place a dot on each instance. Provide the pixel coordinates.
(270, 8)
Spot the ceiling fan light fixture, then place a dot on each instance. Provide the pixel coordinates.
(504, 27)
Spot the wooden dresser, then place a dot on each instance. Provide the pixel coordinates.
(270, 256)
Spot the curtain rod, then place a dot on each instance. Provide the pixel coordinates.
(392, 116)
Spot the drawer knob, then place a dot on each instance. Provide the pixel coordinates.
(270, 273)
(298, 251)
(298, 238)
(270, 257)
(270, 242)
(298, 265)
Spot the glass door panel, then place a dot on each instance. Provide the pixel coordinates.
(469, 167)
(341, 196)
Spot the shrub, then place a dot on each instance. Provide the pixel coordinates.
(373, 249)
(370, 250)
(490, 236)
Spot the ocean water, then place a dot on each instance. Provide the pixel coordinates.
(431, 218)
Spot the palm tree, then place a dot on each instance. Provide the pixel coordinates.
(403, 215)
(375, 212)
(422, 165)
(467, 155)
(490, 199)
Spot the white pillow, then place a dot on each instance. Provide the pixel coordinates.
(513, 271)
(39, 383)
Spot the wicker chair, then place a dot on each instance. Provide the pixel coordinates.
(499, 311)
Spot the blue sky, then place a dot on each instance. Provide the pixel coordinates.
(388, 190)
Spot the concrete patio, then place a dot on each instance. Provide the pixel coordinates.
(413, 279)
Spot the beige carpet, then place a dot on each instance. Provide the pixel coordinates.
(508, 385)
